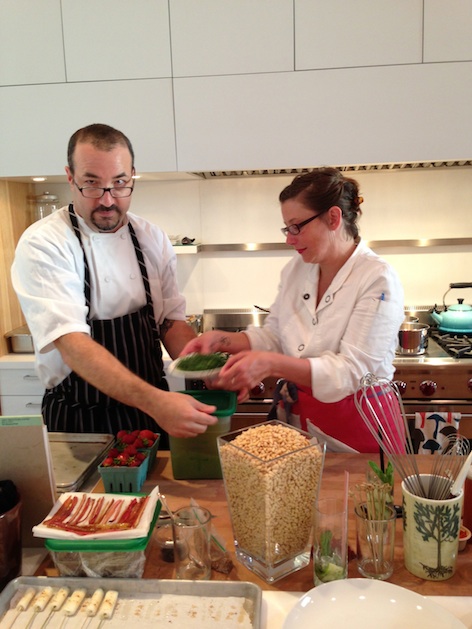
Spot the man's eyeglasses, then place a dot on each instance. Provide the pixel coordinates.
(295, 229)
(97, 193)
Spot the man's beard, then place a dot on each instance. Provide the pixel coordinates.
(107, 224)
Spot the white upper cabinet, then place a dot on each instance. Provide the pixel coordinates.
(345, 116)
(116, 39)
(340, 34)
(41, 119)
(447, 30)
(31, 49)
(212, 37)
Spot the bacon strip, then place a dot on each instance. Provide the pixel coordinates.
(97, 516)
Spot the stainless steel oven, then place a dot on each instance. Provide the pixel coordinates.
(436, 382)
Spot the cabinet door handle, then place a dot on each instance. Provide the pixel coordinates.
(33, 405)
(30, 377)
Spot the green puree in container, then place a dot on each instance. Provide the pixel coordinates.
(202, 362)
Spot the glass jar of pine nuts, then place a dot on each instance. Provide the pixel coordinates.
(272, 474)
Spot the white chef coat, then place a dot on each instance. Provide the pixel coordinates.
(48, 277)
(351, 332)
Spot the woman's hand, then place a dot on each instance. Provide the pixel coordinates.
(244, 371)
(217, 341)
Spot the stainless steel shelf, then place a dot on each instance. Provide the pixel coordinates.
(373, 244)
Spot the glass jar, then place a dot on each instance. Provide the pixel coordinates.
(272, 474)
(45, 204)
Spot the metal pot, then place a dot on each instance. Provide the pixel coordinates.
(412, 338)
(410, 319)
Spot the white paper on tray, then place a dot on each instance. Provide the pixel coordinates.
(41, 530)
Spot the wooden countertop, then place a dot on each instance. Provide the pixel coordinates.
(211, 494)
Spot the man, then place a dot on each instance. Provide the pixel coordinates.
(98, 289)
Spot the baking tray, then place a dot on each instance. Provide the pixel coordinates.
(143, 589)
(75, 457)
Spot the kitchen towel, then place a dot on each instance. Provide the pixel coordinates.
(432, 431)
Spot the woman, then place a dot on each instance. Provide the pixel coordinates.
(335, 318)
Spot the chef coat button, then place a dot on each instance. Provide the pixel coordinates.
(123, 236)
(107, 279)
(301, 347)
(313, 321)
(306, 296)
(132, 276)
(327, 298)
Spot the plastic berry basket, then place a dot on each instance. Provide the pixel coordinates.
(152, 453)
(122, 479)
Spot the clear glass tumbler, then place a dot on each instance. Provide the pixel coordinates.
(375, 543)
(191, 527)
(330, 541)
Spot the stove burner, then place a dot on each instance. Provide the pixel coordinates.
(456, 345)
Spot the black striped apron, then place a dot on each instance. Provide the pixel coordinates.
(74, 405)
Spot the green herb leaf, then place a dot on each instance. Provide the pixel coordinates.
(325, 543)
(202, 362)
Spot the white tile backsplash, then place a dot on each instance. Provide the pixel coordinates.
(398, 205)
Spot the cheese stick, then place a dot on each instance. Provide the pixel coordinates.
(108, 606)
(74, 602)
(95, 601)
(42, 599)
(59, 598)
(25, 600)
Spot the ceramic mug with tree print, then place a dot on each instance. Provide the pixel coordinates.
(431, 534)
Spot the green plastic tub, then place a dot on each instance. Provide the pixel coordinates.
(197, 457)
(124, 558)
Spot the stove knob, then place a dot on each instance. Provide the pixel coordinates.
(259, 389)
(401, 386)
(428, 387)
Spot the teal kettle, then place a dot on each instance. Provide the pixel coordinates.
(455, 319)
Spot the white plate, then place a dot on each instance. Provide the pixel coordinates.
(367, 604)
(42, 530)
(173, 368)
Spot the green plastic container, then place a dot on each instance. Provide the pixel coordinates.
(123, 558)
(197, 457)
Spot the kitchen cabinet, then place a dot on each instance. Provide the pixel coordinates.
(21, 391)
(15, 216)
(447, 30)
(31, 48)
(340, 34)
(211, 37)
(144, 112)
(340, 116)
(112, 39)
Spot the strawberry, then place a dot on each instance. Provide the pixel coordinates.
(113, 452)
(139, 443)
(128, 439)
(108, 462)
(121, 434)
(131, 450)
(147, 434)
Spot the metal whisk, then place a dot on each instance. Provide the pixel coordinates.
(380, 405)
(446, 466)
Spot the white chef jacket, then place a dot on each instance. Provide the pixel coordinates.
(48, 277)
(352, 331)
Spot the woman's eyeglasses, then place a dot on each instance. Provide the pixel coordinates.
(295, 229)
